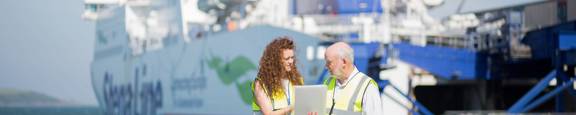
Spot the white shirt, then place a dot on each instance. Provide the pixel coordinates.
(371, 105)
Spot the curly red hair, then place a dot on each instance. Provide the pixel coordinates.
(272, 71)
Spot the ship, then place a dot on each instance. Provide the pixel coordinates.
(201, 56)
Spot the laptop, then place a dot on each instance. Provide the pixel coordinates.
(310, 100)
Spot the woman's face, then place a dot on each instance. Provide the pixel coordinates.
(287, 59)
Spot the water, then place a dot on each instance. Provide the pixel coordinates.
(51, 111)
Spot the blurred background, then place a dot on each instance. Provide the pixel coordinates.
(45, 51)
(134, 57)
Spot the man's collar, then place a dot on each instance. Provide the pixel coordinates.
(350, 76)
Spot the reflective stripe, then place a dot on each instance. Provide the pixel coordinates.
(351, 104)
(351, 96)
(370, 82)
(330, 83)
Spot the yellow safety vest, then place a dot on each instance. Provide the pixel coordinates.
(350, 98)
(278, 101)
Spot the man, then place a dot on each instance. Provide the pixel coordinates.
(349, 90)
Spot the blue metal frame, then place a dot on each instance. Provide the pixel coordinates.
(564, 44)
(419, 106)
(445, 62)
(524, 104)
(548, 96)
(567, 46)
(517, 107)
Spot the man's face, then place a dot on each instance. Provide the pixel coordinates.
(334, 64)
(288, 59)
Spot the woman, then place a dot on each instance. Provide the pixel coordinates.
(277, 75)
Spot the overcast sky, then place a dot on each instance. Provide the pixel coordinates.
(46, 47)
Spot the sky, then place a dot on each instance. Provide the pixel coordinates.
(46, 47)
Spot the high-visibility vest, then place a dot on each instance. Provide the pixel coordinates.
(278, 101)
(349, 98)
